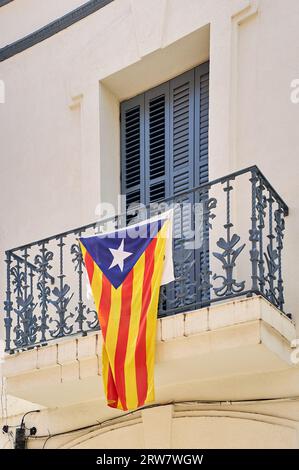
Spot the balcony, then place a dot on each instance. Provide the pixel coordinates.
(228, 243)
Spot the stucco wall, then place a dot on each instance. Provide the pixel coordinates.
(59, 128)
(56, 134)
(21, 17)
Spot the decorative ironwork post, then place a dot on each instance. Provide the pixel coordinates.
(230, 252)
(205, 284)
(261, 205)
(78, 261)
(254, 234)
(43, 267)
(279, 229)
(271, 255)
(62, 300)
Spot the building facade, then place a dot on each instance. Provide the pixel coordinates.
(192, 103)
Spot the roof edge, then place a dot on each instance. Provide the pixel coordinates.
(51, 28)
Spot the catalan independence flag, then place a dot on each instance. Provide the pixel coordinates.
(125, 270)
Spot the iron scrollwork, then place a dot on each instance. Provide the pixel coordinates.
(229, 254)
(228, 259)
(26, 326)
(81, 308)
(261, 206)
(205, 273)
(279, 230)
(63, 298)
(273, 277)
(45, 280)
(43, 265)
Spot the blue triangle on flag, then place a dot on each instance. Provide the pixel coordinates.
(116, 253)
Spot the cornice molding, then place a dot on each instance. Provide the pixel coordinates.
(52, 28)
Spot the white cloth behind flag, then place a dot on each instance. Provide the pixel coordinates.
(168, 271)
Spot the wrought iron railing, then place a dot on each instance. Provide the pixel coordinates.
(228, 242)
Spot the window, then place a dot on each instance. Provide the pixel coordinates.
(164, 152)
(164, 138)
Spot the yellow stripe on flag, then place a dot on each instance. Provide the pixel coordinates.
(151, 321)
(83, 249)
(96, 285)
(105, 368)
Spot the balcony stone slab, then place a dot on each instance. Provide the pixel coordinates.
(196, 322)
(172, 327)
(87, 347)
(67, 351)
(209, 352)
(46, 356)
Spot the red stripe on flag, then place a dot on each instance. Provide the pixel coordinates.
(112, 395)
(140, 353)
(89, 266)
(103, 313)
(122, 339)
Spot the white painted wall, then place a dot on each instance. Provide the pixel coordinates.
(266, 121)
(54, 89)
(59, 129)
(21, 17)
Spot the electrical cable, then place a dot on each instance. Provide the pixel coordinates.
(28, 412)
(48, 438)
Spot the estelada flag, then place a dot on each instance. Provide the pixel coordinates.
(125, 270)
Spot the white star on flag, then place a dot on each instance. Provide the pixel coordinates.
(119, 256)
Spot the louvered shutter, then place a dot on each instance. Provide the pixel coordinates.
(164, 146)
(202, 175)
(182, 179)
(182, 132)
(145, 146)
(201, 120)
(164, 138)
(132, 150)
(157, 143)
